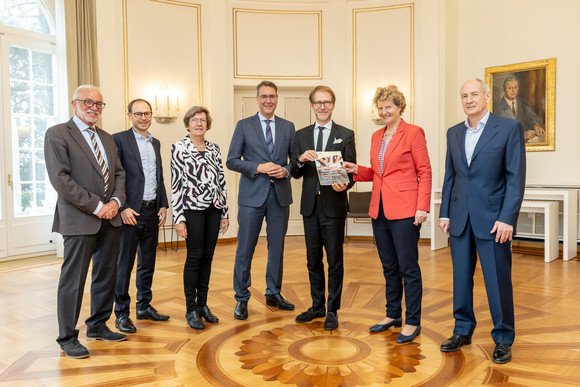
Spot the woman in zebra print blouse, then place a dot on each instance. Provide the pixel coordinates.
(200, 210)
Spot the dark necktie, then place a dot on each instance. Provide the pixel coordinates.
(514, 108)
(269, 140)
(100, 158)
(320, 140)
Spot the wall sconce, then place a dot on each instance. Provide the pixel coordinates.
(166, 106)
(375, 116)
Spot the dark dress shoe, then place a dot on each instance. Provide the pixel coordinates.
(75, 350)
(502, 354)
(455, 342)
(105, 334)
(402, 339)
(205, 313)
(383, 327)
(310, 315)
(151, 314)
(241, 311)
(124, 324)
(331, 321)
(194, 320)
(279, 302)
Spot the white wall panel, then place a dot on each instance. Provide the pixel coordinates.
(277, 44)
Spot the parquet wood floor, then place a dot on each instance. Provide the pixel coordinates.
(270, 349)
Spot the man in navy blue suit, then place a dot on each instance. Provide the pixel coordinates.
(143, 213)
(483, 189)
(260, 150)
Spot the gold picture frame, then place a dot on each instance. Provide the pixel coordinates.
(526, 92)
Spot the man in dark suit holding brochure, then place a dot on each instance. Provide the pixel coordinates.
(323, 207)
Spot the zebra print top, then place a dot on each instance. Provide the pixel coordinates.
(197, 180)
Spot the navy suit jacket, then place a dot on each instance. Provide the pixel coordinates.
(134, 177)
(492, 187)
(248, 149)
(340, 139)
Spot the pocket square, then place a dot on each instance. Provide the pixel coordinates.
(337, 141)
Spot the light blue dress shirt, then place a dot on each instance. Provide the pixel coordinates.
(272, 126)
(148, 161)
(472, 136)
(87, 135)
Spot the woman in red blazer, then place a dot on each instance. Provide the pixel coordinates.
(401, 175)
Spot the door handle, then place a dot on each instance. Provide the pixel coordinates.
(10, 182)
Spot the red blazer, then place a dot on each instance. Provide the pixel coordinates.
(405, 184)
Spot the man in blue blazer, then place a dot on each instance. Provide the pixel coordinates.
(143, 213)
(483, 189)
(260, 150)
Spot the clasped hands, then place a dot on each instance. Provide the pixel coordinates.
(504, 231)
(272, 170)
(109, 210)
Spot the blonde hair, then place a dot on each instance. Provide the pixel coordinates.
(390, 92)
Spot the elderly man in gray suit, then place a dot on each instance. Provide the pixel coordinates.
(260, 150)
(84, 169)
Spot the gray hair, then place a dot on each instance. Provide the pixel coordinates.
(482, 83)
(84, 87)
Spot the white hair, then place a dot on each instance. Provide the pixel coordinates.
(482, 83)
(83, 87)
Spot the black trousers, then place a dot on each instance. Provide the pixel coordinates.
(202, 235)
(103, 247)
(321, 231)
(397, 245)
(140, 240)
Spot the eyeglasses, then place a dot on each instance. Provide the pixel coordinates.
(318, 104)
(265, 97)
(198, 120)
(142, 114)
(88, 103)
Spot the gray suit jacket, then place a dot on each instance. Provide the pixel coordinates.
(248, 149)
(75, 174)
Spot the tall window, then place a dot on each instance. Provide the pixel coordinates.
(32, 83)
(30, 15)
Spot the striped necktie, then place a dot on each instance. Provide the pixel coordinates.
(269, 139)
(100, 158)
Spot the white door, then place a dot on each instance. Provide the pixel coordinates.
(28, 107)
(294, 106)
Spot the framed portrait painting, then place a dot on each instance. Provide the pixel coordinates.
(526, 92)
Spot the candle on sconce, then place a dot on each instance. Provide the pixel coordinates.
(156, 102)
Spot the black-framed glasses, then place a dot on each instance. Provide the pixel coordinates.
(88, 103)
(142, 114)
(326, 104)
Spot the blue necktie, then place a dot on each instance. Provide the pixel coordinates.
(269, 140)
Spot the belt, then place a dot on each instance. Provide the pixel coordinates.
(147, 204)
